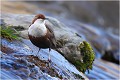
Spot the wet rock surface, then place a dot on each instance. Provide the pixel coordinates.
(23, 63)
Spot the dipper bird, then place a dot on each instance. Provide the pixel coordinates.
(41, 34)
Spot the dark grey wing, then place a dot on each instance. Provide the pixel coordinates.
(52, 36)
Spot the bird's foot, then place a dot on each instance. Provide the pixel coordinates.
(49, 61)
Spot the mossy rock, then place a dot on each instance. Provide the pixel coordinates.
(88, 57)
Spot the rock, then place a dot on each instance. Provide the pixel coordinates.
(65, 36)
(101, 40)
(70, 43)
(24, 64)
(24, 34)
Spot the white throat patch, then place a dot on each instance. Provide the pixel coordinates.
(38, 29)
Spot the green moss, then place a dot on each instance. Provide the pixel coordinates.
(87, 55)
(9, 33)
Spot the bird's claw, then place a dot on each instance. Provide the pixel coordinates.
(49, 61)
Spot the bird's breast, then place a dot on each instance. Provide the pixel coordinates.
(37, 30)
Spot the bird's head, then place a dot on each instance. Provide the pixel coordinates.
(38, 16)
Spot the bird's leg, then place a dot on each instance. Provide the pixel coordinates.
(49, 59)
(38, 52)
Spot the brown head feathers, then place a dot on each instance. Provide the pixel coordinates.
(38, 16)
